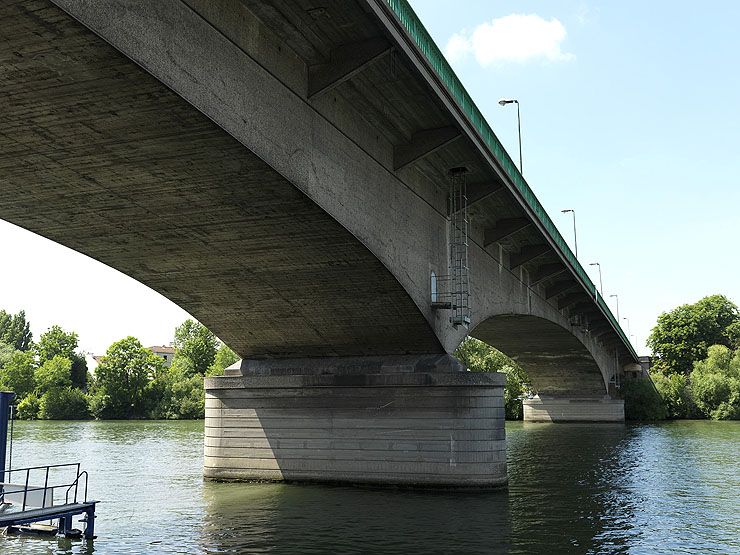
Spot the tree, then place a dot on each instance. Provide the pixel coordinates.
(682, 336)
(196, 342)
(715, 384)
(52, 374)
(15, 330)
(479, 357)
(225, 357)
(676, 394)
(63, 403)
(28, 408)
(55, 341)
(6, 352)
(642, 401)
(122, 378)
(17, 373)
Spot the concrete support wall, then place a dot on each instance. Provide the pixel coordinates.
(443, 429)
(564, 409)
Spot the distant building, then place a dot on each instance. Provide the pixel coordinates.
(164, 351)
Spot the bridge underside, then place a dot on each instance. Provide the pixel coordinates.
(99, 156)
(555, 360)
(298, 212)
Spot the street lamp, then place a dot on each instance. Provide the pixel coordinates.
(504, 102)
(616, 297)
(601, 283)
(575, 236)
(629, 333)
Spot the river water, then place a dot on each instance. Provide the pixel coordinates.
(665, 488)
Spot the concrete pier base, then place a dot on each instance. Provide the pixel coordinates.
(401, 425)
(565, 409)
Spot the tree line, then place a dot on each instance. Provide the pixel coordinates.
(51, 379)
(695, 374)
(696, 371)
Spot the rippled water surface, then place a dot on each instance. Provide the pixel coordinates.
(668, 488)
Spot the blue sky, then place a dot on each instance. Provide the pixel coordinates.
(629, 116)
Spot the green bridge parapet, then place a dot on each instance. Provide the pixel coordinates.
(446, 75)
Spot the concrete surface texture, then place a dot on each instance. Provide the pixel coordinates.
(282, 174)
(443, 429)
(563, 409)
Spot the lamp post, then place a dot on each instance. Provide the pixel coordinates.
(504, 102)
(616, 297)
(601, 283)
(575, 236)
(629, 333)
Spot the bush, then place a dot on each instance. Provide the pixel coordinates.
(178, 394)
(715, 384)
(64, 403)
(642, 401)
(479, 357)
(674, 389)
(28, 408)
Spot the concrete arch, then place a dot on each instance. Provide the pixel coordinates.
(103, 157)
(558, 362)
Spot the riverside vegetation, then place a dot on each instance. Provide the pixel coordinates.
(695, 374)
(51, 379)
(696, 370)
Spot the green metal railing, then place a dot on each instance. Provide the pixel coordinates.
(434, 57)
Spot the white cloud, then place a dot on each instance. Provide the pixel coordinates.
(513, 38)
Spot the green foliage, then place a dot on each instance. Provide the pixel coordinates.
(715, 384)
(682, 336)
(63, 403)
(674, 389)
(17, 373)
(122, 379)
(178, 393)
(225, 357)
(187, 397)
(57, 342)
(15, 330)
(6, 352)
(479, 357)
(642, 401)
(733, 335)
(53, 373)
(196, 342)
(28, 408)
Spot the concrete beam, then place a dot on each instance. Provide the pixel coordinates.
(504, 228)
(600, 329)
(344, 62)
(422, 144)
(545, 272)
(527, 254)
(559, 287)
(569, 300)
(478, 192)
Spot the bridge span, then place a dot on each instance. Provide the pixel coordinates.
(315, 185)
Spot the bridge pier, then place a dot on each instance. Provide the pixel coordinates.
(573, 409)
(407, 421)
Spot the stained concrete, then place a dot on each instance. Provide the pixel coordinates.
(431, 429)
(578, 409)
(177, 143)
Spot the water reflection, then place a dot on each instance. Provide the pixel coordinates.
(668, 488)
(319, 519)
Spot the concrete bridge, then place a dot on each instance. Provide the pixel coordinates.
(315, 185)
